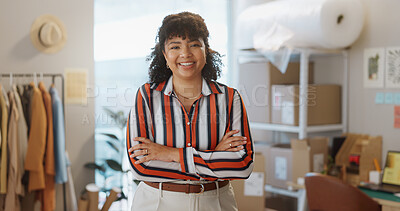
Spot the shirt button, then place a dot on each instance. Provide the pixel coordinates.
(194, 105)
(189, 144)
(188, 123)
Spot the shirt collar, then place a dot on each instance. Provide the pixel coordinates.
(206, 89)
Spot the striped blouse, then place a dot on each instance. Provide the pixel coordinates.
(158, 115)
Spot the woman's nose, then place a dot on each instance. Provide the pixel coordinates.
(186, 52)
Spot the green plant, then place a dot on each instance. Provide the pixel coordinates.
(111, 168)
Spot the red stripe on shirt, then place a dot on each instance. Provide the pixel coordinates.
(147, 89)
(168, 120)
(213, 122)
(139, 104)
(231, 98)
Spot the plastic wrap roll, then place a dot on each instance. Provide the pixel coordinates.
(328, 24)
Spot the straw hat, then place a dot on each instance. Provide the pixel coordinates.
(48, 34)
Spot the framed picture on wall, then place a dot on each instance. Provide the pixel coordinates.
(392, 72)
(374, 67)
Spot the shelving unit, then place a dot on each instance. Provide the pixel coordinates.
(304, 54)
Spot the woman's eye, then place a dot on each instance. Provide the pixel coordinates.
(196, 45)
(175, 47)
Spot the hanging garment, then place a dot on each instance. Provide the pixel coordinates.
(26, 92)
(6, 100)
(4, 121)
(12, 200)
(36, 142)
(72, 203)
(48, 195)
(59, 137)
(22, 142)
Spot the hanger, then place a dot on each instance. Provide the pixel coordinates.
(41, 76)
(11, 79)
(34, 78)
(53, 80)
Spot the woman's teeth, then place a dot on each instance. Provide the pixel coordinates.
(187, 64)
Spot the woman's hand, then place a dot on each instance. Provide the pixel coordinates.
(153, 151)
(231, 143)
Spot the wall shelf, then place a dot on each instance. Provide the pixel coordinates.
(296, 129)
(303, 55)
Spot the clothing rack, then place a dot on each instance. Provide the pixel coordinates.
(41, 75)
(48, 75)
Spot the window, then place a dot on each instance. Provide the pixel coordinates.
(124, 33)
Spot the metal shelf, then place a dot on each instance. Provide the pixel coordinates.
(303, 55)
(295, 129)
(251, 55)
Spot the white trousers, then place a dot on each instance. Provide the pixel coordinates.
(152, 199)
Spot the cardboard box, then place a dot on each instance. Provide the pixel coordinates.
(288, 162)
(250, 194)
(309, 155)
(262, 75)
(324, 104)
(279, 165)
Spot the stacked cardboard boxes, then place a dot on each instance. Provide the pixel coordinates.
(323, 106)
(288, 163)
(256, 91)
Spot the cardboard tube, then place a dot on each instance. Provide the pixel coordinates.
(111, 198)
(93, 193)
(83, 204)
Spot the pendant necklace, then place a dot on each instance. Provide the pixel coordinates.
(188, 98)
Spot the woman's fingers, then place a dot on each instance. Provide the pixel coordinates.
(142, 139)
(235, 149)
(142, 160)
(229, 141)
(142, 145)
(137, 147)
(229, 134)
(237, 143)
(140, 152)
(235, 146)
(236, 138)
(229, 137)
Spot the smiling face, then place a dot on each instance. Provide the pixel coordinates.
(185, 57)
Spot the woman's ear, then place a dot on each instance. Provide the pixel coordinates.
(165, 57)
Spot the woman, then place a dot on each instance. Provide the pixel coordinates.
(187, 135)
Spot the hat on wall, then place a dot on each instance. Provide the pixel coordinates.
(48, 34)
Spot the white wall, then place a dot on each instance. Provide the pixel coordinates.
(18, 55)
(380, 30)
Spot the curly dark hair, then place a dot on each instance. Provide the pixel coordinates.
(182, 24)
